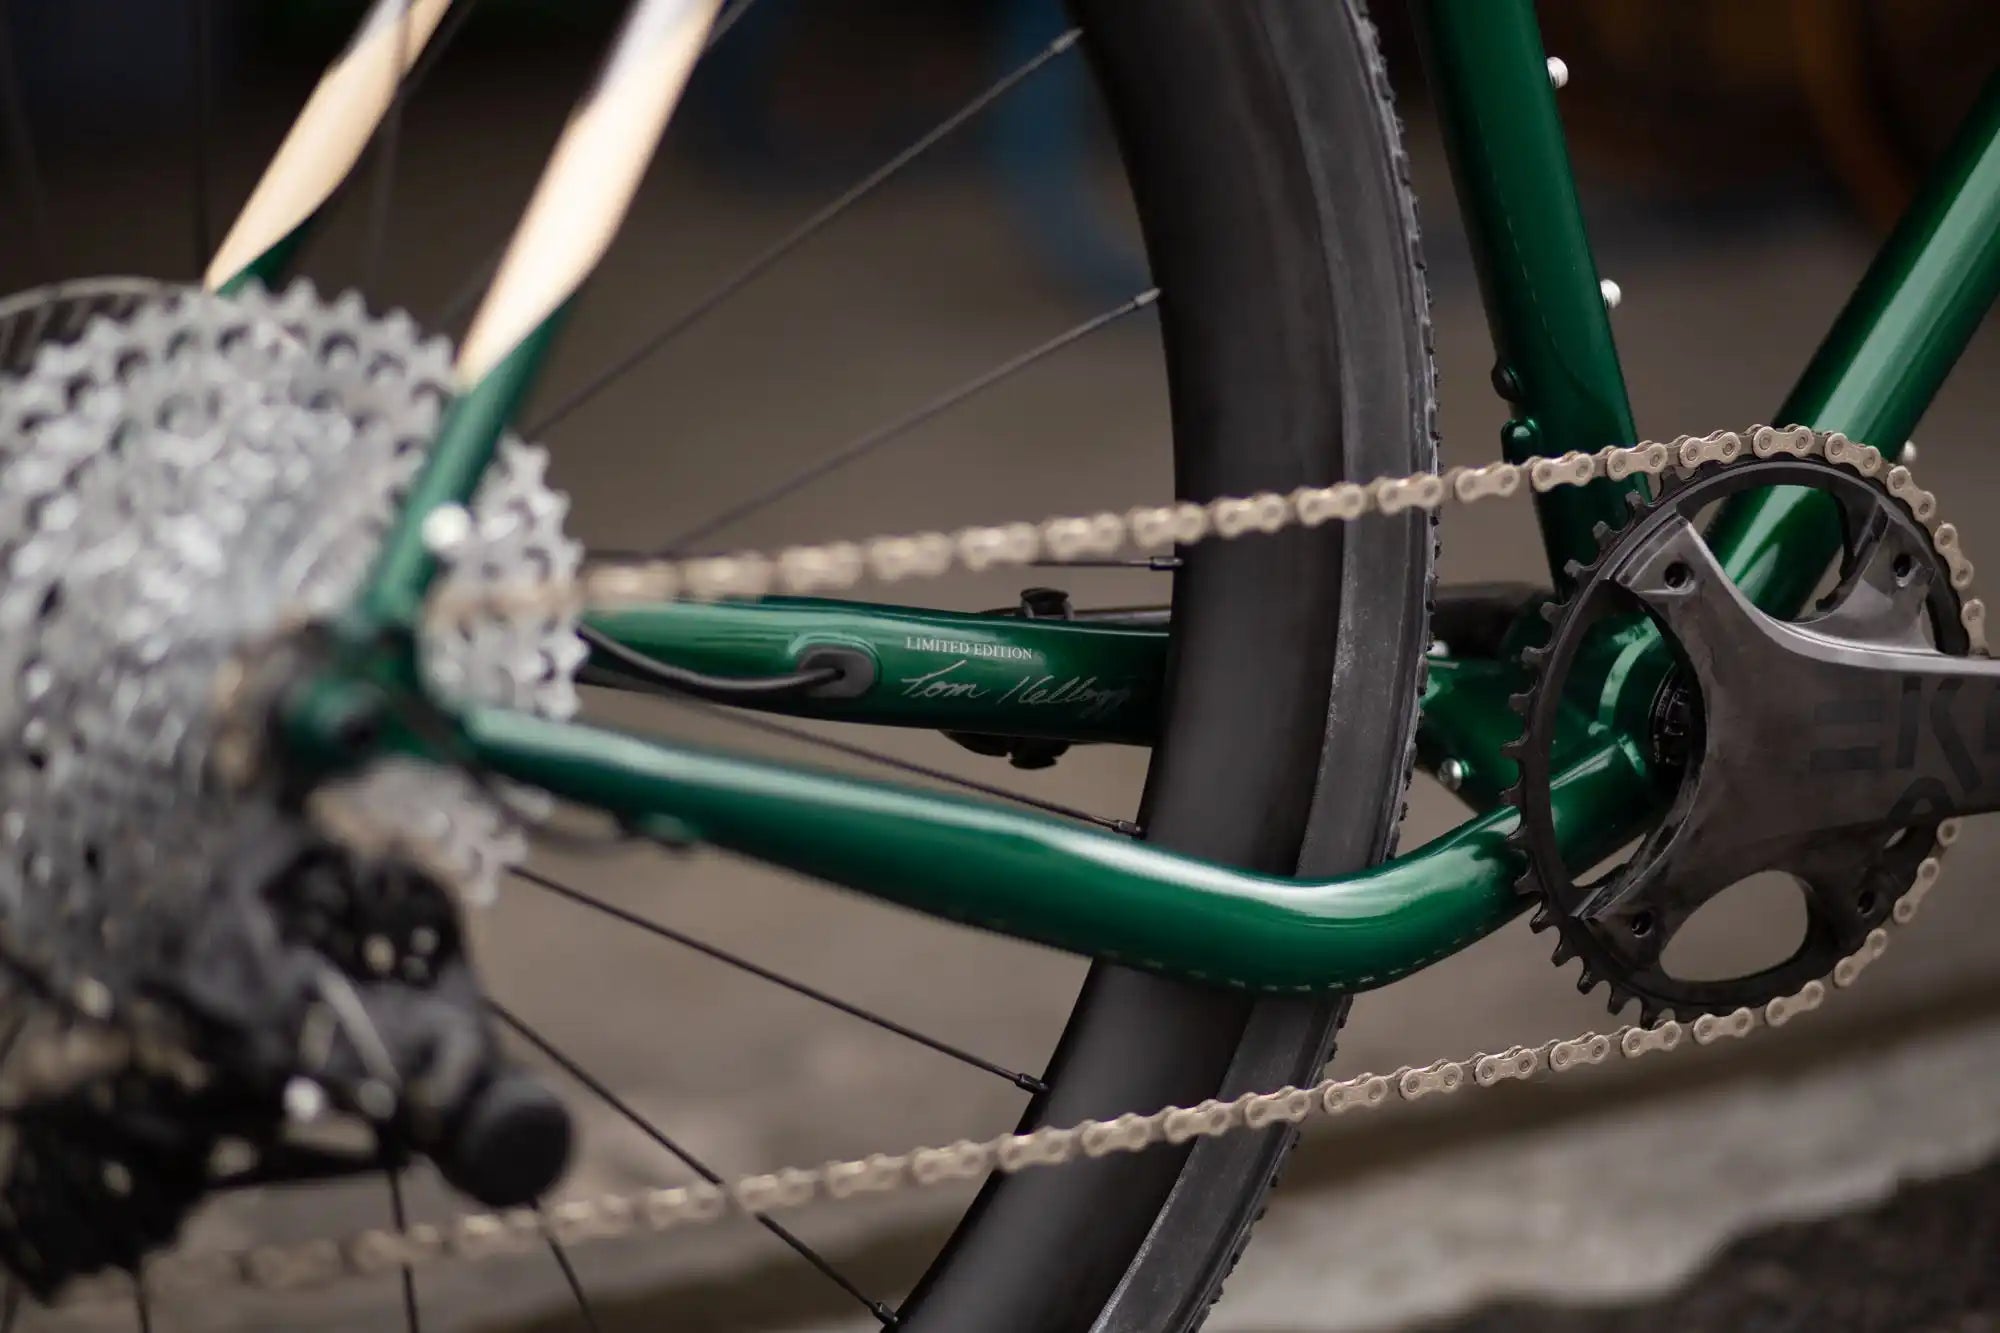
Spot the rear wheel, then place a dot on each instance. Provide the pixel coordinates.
(1265, 159)
(1267, 164)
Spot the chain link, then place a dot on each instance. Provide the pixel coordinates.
(840, 565)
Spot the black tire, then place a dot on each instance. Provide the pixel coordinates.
(1267, 164)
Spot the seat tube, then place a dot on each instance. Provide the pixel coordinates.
(1557, 365)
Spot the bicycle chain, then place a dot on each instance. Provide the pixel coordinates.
(840, 565)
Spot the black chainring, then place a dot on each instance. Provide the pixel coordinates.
(1620, 922)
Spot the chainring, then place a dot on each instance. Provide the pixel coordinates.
(1620, 922)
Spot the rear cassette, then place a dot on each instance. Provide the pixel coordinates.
(185, 480)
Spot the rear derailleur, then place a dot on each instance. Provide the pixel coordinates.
(325, 1021)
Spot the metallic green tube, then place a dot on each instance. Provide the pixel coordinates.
(1060, 885)
(467, 438)
(1466, 719)
(1882, 362)
(1077, 680)
(1558, 365)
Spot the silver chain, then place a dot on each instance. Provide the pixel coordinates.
(806, 569)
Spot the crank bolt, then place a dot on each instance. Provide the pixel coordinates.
(1452, 773)
(1558, 72)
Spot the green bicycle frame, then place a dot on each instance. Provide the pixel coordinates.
(1110, 897)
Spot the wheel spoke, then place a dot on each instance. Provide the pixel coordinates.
(387, 145)
(575, 1283)
(21, 150)
(1025, 1082)
(402, 1225)
(728, 19)
(459, 304)
(857, 449)
(201, 124)
(687, 1159)
(139, 1307)
(440, 42)
(796, 237)
(10, 1306)
(388, 140)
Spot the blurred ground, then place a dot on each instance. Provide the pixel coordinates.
(1612, 1187)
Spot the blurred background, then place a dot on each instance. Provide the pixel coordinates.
(1738, 163)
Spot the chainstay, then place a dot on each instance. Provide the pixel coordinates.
(834, 566)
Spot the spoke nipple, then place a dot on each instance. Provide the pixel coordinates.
(1558, 72)
(1128, 828)
(1029, 1083)
(1611, 292)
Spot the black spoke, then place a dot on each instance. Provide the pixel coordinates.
(387, 144)
(853, 751)
(139, 1306)
(1025, 1082)
(388, 140)
(575, 1283)
(791, 240)
(448, 29)
(403, 1224)
(855, 450)
(729, 19)
(21, 152)
(201, 124)
(687, 1159)
(10, 1306)
(459, 304)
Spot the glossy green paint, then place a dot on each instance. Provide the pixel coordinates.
(1882, 362)
(1116, 899)
(1465, 723)
(1061, 885)
(1558, 366)
(466, 441)
(999, 675)
(372, 655)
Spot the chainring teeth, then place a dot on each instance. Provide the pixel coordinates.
(1574, 941)
(177, 482)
